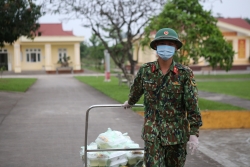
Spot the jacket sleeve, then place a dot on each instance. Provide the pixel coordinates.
(191, 104)
(136, 89)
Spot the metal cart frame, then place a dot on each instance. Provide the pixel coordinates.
(86, 131)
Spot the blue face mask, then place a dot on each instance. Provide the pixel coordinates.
(165, 51)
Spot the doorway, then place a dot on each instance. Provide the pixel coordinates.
(4, 61)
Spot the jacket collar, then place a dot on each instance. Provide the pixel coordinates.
(172, 67)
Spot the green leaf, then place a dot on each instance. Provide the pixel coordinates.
(197, 30)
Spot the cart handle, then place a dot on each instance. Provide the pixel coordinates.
(86, 130)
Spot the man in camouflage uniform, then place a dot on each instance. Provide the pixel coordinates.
(172, 116)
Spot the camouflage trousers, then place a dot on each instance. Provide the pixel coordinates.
(157, 155)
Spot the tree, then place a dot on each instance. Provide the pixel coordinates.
(96, 50)
(197, 30)
(247, 20)
(84, 50)
(115, 22)
(92, 52)
(18, 17)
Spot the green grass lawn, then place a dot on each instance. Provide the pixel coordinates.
(111, 89)
(235, 88)
(212, 105)
(16, 84)
(120, 93)
(223, 76)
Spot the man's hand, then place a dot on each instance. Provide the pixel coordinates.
(193, 143)
(126, 105)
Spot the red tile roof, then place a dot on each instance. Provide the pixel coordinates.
(236, 21)
(53, 29)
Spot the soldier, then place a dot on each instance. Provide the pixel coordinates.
(172, 116)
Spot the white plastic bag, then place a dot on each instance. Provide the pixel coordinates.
(92, 146)
(110, 139)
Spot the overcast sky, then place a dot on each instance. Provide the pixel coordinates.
(226, 8)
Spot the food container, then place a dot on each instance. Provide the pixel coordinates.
(117, 155)
(97, 159)
(135, 158)
(118, 163)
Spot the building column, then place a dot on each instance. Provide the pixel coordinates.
(17, 60)
(48, 66)
(248, 50)
(77, 65)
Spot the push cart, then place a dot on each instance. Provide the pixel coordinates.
(86, 131)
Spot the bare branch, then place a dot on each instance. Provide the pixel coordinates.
(115, 22)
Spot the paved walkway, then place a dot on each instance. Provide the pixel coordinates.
(44, 127)
(235, 101)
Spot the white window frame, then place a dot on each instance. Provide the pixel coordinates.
(61, 53)
(36, 52)
(3, 50)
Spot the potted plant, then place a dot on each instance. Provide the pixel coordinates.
(64, 61)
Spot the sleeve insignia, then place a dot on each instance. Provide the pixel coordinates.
(192, 82)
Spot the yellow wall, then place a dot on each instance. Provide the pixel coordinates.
(148, 54)
(144, 55)
(29, 66)
(49, 53)
(54, 53)
(235, 44)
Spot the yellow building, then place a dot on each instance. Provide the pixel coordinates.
(237, 32)
(42, 53)
(234, 30)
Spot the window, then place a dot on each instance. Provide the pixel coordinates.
(3, 50)
(33, 55)
(62, 53)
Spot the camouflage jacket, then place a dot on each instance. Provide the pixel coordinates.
(170, 103)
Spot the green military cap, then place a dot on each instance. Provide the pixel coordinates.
(166, 34)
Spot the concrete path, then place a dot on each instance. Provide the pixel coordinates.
(228, 147)
(44, 127)
(235, 101)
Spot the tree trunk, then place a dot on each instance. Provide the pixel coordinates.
(132, 67)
